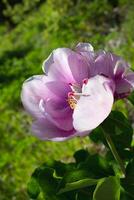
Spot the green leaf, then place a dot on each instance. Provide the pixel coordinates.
(81, 155)
(128, 181)
(128, 187)
(75, 180)
(97, 135)
(96, 166)
(60, 168)
(78, 185)
(85, 194)
(125, 195)
(49, 182)
(107, 189)
(130, 172)
(75, 175)
(33, 188)
(120, 130)
(131, 98)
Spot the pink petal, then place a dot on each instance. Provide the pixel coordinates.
(33, 90)
(65, 65)
(56, 66)
(108, 64)
(102, 64)
(60, 113)
(120, 67)
(93, 108)
(58, 88)
(84, 47)
(88, 54)
(39, 88)
(46, 130)
(130, 79)
(122, 87)
(79, 67)
(29, 96)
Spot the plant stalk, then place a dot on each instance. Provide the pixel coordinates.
(114, 152)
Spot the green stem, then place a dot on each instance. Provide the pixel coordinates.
(114, 151)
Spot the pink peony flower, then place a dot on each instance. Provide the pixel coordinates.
(76, 93)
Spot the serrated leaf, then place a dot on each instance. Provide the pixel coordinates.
(107, 189)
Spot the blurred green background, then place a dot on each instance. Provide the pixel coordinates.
(29, 31)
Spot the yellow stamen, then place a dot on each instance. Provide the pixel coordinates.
(72, 102)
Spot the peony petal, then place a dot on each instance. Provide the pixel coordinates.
(84, 47)
(95, 105)
(29, 96)
(56, 66)
(108, 64)
(130, 78)
(120, 68)
(79, 67)
(102, 64)
(46, 130)
(122, 88)
(34, 89)
(47, 63)
(66, 65)
(60, 113)
(39, 88)
(58, 88)
(88, 54)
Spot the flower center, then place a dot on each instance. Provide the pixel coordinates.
(75, 94)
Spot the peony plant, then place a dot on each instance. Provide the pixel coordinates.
(74, 97)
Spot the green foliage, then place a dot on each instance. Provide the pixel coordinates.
(91, 176)
(107, 188)
(33, 188)
(79, 184)
(73, 183)
(96, 177)
(131, 98)
(128, 181)
(120, 130)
